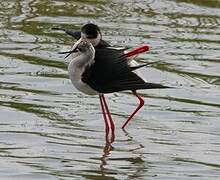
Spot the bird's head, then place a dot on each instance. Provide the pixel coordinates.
(92, 33)
(85, 46)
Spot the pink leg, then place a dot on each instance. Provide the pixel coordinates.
(141, 103)
(109, 115)
(104, 115)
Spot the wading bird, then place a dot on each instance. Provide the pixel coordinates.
(96, 69)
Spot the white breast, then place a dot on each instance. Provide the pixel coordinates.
(76, 68)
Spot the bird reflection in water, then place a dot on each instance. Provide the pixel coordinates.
(109, 132)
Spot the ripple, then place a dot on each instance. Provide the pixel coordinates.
(49, 130)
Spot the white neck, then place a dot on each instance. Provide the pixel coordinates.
(77, 67)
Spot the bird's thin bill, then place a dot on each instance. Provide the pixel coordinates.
(74, 48)
(65, 52)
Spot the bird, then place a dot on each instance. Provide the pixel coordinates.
(98, 69)
(92, 33)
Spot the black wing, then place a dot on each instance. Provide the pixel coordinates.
(111, 73)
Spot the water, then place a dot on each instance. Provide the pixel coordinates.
(48, 130)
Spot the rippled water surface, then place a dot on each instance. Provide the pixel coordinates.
(49, 130)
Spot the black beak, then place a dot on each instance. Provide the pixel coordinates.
(74, 48)
(68, 52)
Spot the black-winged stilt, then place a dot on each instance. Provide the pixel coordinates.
(97, 69)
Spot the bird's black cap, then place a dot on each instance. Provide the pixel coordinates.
(91, 30)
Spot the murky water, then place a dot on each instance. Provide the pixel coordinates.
(49, 130)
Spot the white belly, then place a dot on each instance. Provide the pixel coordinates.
(75, 75)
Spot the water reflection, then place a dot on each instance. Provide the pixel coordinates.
(109, 140)
(136, 164)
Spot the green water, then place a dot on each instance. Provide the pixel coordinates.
(49, 130)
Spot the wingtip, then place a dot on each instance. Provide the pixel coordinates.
(156, 86)
(167, 86)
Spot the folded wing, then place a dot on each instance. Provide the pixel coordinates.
(111, 73)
